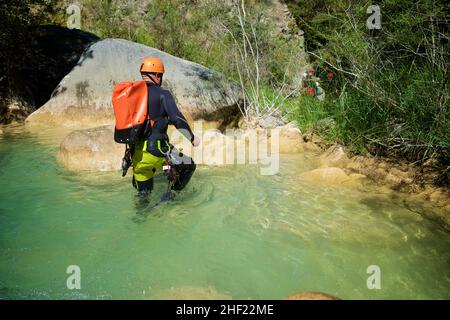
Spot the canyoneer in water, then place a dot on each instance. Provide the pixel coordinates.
(143, 111)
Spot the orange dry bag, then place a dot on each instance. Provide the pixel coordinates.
(130, 102)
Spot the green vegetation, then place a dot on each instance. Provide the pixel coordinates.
(390, 92)
(192, 30)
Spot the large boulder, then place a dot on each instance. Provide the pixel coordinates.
(83, 97)
(94, 149)
(91, 150)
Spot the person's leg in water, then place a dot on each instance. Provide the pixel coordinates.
(144, 167)
(144, 189)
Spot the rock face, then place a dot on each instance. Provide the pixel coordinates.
(83, 97)
(56, 51)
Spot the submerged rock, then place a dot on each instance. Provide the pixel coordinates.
(330, 175)
(91, 149)
(83, 97)
(311, 296)
(333, 176)
(334, 156)
(94, 149)
(189, 293)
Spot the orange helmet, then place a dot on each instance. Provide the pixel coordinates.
(152, 64)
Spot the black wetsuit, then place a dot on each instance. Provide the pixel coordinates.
(164, 111)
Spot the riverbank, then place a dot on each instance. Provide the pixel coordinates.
(394, 177)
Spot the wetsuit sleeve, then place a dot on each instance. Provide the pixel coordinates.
(175, 116)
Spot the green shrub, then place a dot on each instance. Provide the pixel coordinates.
(390, 91)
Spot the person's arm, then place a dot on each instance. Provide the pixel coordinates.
(175, 116)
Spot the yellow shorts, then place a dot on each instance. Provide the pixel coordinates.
(145, 165)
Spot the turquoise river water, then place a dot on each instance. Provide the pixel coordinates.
(232, 233)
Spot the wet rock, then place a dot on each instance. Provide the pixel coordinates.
(334, 156)
(213, 149)
(396, 176)
(94, 149)
(360, 163)
(311, 296)
(436, 209)
(83, 97)
(390, 179)
(291, 140)
(330, 175)
(357, 176)
(189, 293)
(438, 196)
(91, 150)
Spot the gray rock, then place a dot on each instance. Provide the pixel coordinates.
(84, 95)
(270, 122)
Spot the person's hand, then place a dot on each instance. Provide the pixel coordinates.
(196, 141)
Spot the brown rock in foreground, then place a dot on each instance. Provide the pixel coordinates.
(334, 156)
(188, 293)
(311, 296)
(91, 150)
(329, 175)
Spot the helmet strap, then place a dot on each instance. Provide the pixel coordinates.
(152, 77)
